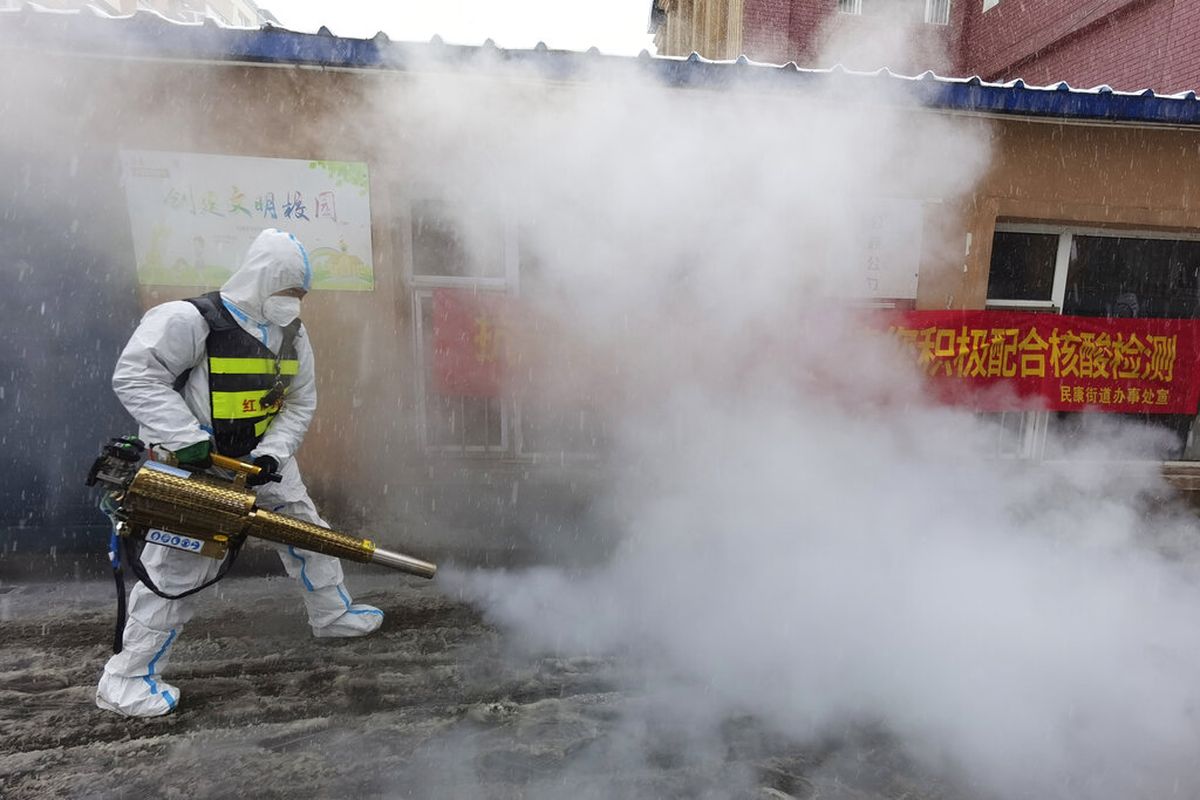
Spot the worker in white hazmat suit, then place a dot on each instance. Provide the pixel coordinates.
(230, 372)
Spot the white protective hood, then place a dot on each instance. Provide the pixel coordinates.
(275, 261)
(172, 338)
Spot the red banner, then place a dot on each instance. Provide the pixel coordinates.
(470, 335)
(991, 360)
(995, 359)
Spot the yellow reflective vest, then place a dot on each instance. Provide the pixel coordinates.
(247, 383)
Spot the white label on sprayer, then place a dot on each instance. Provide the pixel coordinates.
(158, 466)
(174, 540)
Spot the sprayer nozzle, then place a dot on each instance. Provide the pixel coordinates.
(413, 566)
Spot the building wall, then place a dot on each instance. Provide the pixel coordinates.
(823, 37)
(362, 458)
(812, 33)
(767, 31)
(712, 28)
(1126, 44)
(1122, 178)
(1126, 177)
(1095, 175)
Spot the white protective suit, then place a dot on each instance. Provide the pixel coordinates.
(169, 340)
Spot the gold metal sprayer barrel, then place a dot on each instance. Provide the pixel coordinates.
(207, 514)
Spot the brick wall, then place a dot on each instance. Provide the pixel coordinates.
(813, 34)
(1126, 51)
(808, 19)
(1127, 44)
(1182, 70)
(867, 42)
(993, 41)
(765, 27)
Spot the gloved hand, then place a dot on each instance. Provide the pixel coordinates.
(270, 471)
(196, 456)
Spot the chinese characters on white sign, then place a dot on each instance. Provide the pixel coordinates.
(194, 215)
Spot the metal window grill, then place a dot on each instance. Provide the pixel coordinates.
(849, 6)
(937, 12)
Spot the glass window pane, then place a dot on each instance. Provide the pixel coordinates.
(453, 421)
(443, 418)
(437, 247)
(1114, 276)
(1022, 266)
(1126, 276)
(908, 10)
(442, 247)
(495, 419)
(482, 422)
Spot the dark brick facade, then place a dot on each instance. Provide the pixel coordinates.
(813, 33)
(1126, 44)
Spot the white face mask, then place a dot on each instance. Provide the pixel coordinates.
(281, 310)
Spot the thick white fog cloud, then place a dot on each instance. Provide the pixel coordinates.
(800, 538)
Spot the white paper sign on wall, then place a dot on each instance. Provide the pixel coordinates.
(193, 215)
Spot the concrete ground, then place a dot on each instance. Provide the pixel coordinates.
(434, 705)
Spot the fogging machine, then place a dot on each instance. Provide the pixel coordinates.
(207, 514)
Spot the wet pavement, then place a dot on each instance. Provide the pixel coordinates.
(435, 704)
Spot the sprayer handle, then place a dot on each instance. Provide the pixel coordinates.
(226, 462)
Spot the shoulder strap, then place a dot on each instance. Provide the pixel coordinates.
(211, 308)
(287, 346)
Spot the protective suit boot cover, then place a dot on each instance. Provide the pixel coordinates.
(130, 697)
(332, 614)
(132, 684)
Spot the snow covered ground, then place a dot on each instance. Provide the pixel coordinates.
(437, 704)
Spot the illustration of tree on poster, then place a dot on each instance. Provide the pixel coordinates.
(194, 215)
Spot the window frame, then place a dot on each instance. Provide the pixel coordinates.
(421, 287)
(508, 283)
(419, 340)
(1033, 426)
(937, 5)
(1062, 262)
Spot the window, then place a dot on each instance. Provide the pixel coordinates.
(459, 424)
(1126, 276)
(446, 245)
(1082, 272)
(1019, 434)
(990, 4)
(934, 12)
(455, 247)
(937, 12)
(1022, 269)
(1094, 272)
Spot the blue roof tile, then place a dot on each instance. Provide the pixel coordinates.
(146, 34)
